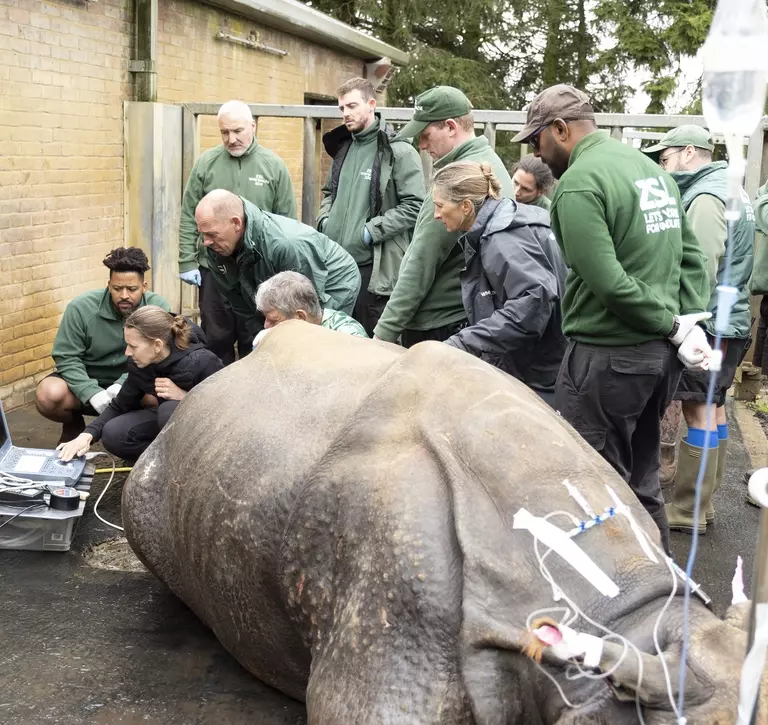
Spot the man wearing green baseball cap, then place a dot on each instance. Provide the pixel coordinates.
(426, 302)
(686, 153)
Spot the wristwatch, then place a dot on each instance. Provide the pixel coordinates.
(675, 327)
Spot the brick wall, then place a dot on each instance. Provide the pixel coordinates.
(62, 82)
(63, 79)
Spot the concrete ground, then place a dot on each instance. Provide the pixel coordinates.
(83, 644)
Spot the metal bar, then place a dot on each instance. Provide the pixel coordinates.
(145, 50)
(754, 162)
(515, 118)
(760, 586)
(308, 179)
(489, 131)
(189, 144)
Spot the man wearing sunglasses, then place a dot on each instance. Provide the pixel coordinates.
(636, 290)
(686, 153)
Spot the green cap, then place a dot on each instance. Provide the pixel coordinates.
(682, 136)
(436, 104)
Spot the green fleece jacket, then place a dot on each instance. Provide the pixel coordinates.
(376, 182)
(272, 244)
(634, 260)
(428, 291)
(89, 349)
(758, 284)
(259, 175)
(543, 202)
(704, 194)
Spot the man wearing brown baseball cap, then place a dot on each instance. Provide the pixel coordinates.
(636, 289)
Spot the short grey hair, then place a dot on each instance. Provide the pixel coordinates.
(288, 292)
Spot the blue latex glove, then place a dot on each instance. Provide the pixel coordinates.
(367, 238)
(191, 277)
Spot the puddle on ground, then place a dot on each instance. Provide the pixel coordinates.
(115, 555)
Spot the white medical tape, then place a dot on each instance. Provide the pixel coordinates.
(559, 541)
(636, 530)
(577, 644)
(579, 499)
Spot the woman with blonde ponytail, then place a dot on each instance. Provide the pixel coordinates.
(513, 279)
(167, 358)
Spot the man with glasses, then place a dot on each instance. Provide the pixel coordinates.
(636, 289)
(686, 153)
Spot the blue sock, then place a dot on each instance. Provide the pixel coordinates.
(722, 432)
(714, 440)
(697, 437)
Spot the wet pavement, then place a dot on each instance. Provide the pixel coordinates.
(82, 644)
(86, 645)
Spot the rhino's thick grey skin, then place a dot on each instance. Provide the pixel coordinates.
(339, 512)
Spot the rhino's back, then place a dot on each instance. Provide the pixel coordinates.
(206, 506)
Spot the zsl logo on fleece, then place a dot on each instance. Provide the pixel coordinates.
(659, 207)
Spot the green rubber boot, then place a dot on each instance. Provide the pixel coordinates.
(722, 452)
(680, 511)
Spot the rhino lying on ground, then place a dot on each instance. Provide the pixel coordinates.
(339, 512)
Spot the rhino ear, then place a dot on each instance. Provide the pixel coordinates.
(653, 690)
(737, 615)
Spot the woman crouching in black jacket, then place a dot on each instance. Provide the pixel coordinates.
(513, 279)
(164, 363)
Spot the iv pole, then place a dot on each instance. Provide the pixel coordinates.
(758, 489)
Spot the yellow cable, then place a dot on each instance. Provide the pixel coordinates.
(109, 470)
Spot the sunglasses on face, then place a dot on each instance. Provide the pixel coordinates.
(533, 141)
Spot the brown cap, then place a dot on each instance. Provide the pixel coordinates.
(560, 101)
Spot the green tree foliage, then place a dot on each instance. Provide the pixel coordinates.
(500, 52)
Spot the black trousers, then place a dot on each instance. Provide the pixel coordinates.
(615, 397)
(760, 356)
(438, 334)
(130, 434)
(368, 307)
(220, 324)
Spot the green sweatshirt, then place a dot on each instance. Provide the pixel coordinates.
(349, 213)
(543, 202)
(634, 260)
(428, 291)
(259, 175)
(272, 244)
(89, 349)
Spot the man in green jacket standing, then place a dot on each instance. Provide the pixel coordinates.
(426, 303)
(245, 168)
(686, 153)
(636, 289)
(89, 349)
(372, 197)
(246, 246)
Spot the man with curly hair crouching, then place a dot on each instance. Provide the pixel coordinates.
(89, 349)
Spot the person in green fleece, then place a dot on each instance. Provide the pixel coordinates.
(426, 302)
(240, 165)
(533, 180)
(246, 246)
(89, 349)
(686, 153)
(636, 290)
(372, 197)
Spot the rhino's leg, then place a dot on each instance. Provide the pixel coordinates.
(373, 577)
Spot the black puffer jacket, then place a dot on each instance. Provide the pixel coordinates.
(185, 368)
(511, 287)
